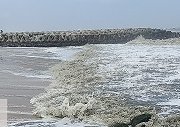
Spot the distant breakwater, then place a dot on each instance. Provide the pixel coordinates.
(81, 37)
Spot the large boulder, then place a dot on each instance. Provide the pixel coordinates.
(140, 118)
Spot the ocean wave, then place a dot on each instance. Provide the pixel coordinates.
(66, 53)
(69, 92)
(83, 87)
(142, 40)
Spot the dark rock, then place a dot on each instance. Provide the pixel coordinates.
(78, 38)
(140, 118)
(119, 125)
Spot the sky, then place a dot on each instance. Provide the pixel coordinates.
(57, 15)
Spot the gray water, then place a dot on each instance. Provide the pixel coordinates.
(132, 74)
(143, 74)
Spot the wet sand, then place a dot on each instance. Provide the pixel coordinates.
(18, 91)
(24, 73)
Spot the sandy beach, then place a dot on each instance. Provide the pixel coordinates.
(25, 73)
(21, 78)
(18, 90)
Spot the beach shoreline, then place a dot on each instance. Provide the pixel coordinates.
(18, 90)
(124, 69)
(24, 74)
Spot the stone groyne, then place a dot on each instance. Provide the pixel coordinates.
(81, 37)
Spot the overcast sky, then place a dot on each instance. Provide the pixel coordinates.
(48, 15)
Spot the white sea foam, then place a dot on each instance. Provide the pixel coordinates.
(63, 53)
(57, 53)
(110, 74)
(68, 93)
(65, 122)
(142, 40)
(114, 76)
(29, 75)
(175, 102)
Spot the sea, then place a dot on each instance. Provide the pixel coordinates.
(95, 85)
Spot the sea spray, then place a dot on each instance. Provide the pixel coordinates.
(71, 92)
(78, 92)
(141, 40)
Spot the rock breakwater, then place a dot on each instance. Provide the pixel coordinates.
(81, 37)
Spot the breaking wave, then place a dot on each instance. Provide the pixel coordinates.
(71, 94)
(142, 40)
(93, 86)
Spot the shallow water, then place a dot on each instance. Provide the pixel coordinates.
(25, 73)
(33, 62)
(130, 74)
